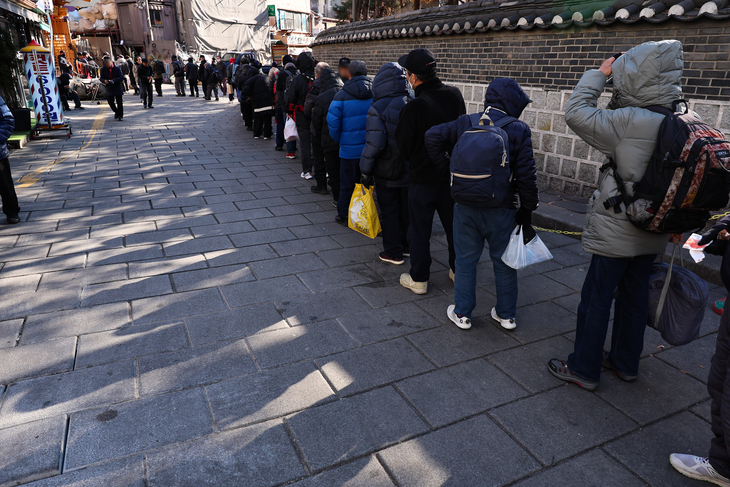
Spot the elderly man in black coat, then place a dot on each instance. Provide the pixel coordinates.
(112, 77)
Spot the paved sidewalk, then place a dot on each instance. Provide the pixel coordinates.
(179, 310)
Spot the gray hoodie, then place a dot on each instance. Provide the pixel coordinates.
(649, 74)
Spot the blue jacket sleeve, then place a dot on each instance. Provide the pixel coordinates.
(440, 140)
(7, 122)
(525, 173)
(376, 139)
(334, 120)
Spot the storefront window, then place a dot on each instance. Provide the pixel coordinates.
(156, 18)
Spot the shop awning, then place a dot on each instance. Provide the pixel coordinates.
(18, 10)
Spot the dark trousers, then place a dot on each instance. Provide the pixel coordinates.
(7, 189)
(133, 81)
(605, 276)
(211, 88)
(305, 144)
(719, 458)
(204, 86)
(394, 219)
(247, 110)
(262, 123)
(70, 95)
(230, 92)
(320, 170)
(425, 200)
(193, 87)
(145, 92)
(332, 164)
(158, 86)
(116, 104)
(349, 177)
(280, 121)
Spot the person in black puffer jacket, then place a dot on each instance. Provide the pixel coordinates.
(320, 172)
(203, 75)
(246, 108)
(258, 88)
(381, 159)
(213, 77)
(289, 70)
(296, 94)
(329, 84)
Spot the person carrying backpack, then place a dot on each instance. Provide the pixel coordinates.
(329, 85)
(623, 255)
(213, 77)
(280, 94)
(382, 164)
(159, 68)
(178, 70)
(492, 169)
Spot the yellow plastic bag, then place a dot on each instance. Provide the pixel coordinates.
(363, 214)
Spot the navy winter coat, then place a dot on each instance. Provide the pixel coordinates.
(381, 156)
(329, 85)
(115, 77)
(7, 124)
(504, 97)
(347, 116)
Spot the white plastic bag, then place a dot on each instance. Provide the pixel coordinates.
(290, 130)
(517, 255)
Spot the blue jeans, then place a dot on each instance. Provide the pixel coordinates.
(606, 275)
(472, 226)
(280, 120)
(349, 177)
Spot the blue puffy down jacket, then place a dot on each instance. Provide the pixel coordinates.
(347, 116)
(7, 124)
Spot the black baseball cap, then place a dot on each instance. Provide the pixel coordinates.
(344, 62)
(419, 61)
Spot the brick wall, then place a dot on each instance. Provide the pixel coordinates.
(548, 64)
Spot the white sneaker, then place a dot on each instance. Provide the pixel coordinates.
(307, 175)
(417, 287)
(506, 324)
(461, 321)
(697, 468)
(452, 276)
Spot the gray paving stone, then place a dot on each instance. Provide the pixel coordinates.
(127, 254)
(321, 306)
(565, 257)
(268, 394)
(242, 255)
(295, 247)
(527, 364)
(42, 301)
(660, 390)
(593, 469)
(436, 303)
(572, 277)
(257, 456)
(123, 429)
(51, 396)
(88, 245)
(693, 358)
(37, 266)
(75, 322)
(243, 215)
(348, 256)
(121, 230)
(248, 293)
(125, 290)
(330, 229)
(703, 411)
(437, 459)
(128, 472)
(31, 451)
(185, 222)
(388, 293)
(68, 222)
(234, 323)
(354, 239)
(326, 279)
(128, 342)
(535, 289)
(555, 433)
(262, 237)
(20, 284)
(9, 332)
(147, 215)
(385, 323)
(450, 394)
(213, 277)
(198, 245)
(646, 451)
(374, 365)
(185, 368)
(366, 472)
(542, 320)
(158, 237)
(176, 306)
(283, 266)
(299, 343)
(82, 277)
(58, 214)
(223, 229)
(37, 359)
(50, 237)
(166, 266)
(354, 426)
(447, 345)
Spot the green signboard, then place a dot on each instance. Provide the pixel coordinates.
(272, 10)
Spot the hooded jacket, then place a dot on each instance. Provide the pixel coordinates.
(7, 124)
(289, 70)
(259, 89)
(435, 103)
(329, 84)
(380, 156)
(298, 87)
(649, 74)
(504, 97)
(347, 116)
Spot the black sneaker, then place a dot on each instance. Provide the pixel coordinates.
(390, 260)
(279, 148)
(340, 220)
(318, 190)
(621, 375)
(150, 106)
(13, 219)
(80, 108)
(561, 370)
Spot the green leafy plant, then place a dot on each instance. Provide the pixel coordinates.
(9, 74)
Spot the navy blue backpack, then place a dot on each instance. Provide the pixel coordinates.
(480, 172)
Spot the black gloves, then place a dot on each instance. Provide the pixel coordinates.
(711, 234)
(366, 180)
(523, 217)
